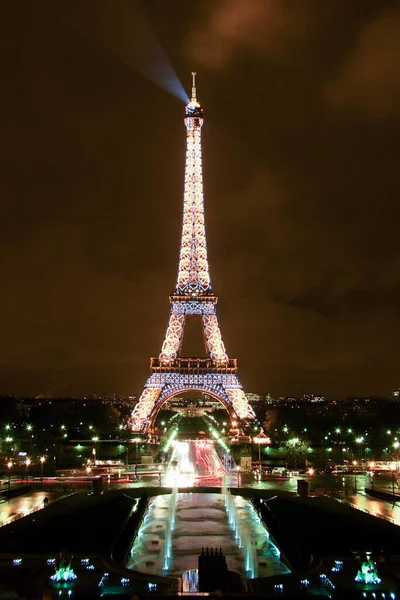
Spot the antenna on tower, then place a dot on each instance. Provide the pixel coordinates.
(194, 99)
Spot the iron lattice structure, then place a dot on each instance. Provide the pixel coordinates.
(193, 296)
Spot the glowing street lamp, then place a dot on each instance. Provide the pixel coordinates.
(359, 441)
(9, 465)
(42, 460)
(393, 482)
(261, 438)
(355, 476)
(28, 462)
(95, 438)
(396, 447)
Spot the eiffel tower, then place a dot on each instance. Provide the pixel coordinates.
(193, 296)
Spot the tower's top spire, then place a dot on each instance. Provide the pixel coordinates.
(194, 99)
(194, 109)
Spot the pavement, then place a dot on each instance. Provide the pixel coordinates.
(20, 506)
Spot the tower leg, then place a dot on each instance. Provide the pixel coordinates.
(173, 337)
(144, 408)
(240, 404)
(212, 333)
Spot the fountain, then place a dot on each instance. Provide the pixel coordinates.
(169, 527)
(224, 488)
(243, 535)
(201, 520)
(249, 551)
(64, 575)
(167, 545)
(172, 509)
(367, 571)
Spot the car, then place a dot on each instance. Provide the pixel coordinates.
(328, 471)
(280, 471)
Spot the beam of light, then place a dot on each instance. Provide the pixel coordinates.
(127, 34)
(151, 61)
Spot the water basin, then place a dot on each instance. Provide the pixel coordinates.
(201, 520)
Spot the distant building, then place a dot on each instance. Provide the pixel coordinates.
(313, 398)
(283, 400)
(254, 397)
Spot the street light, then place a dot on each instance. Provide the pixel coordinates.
(393, 480)
(355, 476)
(359, 441)
(42, 459)
(95, 438)
(396, 447)
(261, 438)
(339, 444)
(9, 465)
(28, 462)
(238, 474)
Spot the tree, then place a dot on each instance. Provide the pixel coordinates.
(296, 452)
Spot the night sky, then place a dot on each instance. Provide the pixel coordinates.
(301, 169)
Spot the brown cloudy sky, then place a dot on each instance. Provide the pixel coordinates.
(301, 159)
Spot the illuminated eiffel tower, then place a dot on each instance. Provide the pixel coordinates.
(170, 373)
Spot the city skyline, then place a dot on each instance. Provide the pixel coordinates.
(300, 150)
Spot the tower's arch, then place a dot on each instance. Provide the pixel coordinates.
(171, 393)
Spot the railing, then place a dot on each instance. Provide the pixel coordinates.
(197, 298)
(193, 365)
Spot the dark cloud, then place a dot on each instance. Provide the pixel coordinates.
(231, 27)
(301, 191)
(368, 80)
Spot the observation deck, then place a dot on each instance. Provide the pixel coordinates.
(177, 297)
(193, 366)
